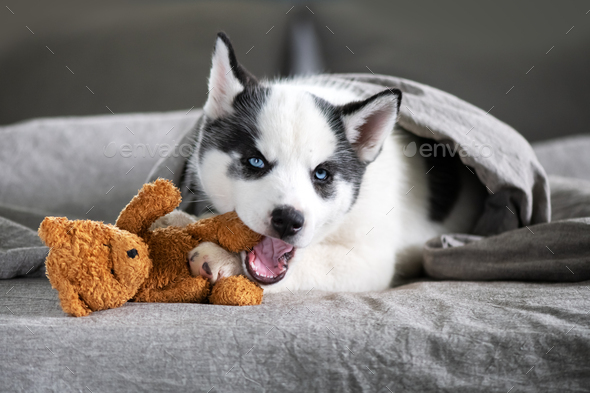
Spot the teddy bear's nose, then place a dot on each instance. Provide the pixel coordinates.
(132, 253)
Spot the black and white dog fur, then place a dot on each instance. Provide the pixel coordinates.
(322, 169)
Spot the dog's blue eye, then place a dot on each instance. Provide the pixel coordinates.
(256, 162)
(321, 174)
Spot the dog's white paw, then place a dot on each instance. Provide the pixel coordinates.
(177, 218)
(213, 262)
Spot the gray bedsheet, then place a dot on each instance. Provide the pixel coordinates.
(421, 337)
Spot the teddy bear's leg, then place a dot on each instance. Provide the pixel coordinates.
(213, 262)
(188, 290)
(236, 291)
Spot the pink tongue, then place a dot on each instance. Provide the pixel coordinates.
(266, 255)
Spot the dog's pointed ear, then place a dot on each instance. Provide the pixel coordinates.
(368, 123)
(227, 79)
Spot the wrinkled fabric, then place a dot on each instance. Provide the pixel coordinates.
(22, 253)
(557, 251)
(421, 337)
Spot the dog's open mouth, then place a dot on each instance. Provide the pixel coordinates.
(267, 263)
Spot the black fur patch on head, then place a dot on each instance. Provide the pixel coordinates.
(237, 132)
(344, 163)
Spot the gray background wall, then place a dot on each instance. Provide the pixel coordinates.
(154, 55)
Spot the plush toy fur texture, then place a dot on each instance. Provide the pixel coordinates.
(96, 266)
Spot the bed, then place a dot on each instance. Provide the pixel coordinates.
(430, 334)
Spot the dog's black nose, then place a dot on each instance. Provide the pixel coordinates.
(286, 221)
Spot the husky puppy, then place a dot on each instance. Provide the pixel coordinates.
(320, 172)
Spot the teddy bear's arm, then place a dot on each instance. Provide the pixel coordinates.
(153, 201)
(188, 290)
(227, 230)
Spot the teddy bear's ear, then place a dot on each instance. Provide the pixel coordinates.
(54, 231)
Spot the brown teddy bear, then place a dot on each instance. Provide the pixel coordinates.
(96, 266)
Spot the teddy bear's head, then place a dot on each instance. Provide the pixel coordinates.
(94, 266)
